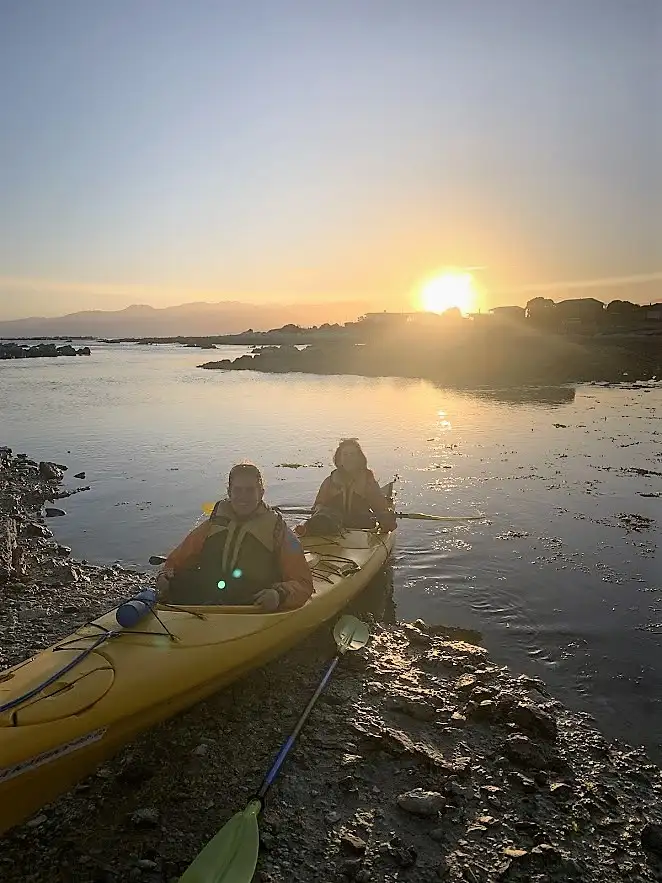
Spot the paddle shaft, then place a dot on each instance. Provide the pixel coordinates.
(419, 516)
(284, 751)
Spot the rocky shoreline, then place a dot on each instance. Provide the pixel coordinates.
(506, 357)
(424, 761)
(40, 351)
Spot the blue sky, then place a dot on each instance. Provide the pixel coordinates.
(162, 152)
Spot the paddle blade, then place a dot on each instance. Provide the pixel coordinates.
(231, 855)
(350, 633)
(208, 508)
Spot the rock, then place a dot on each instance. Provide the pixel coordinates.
(52, 512)
(416, 637)
(375, 688)
(526, 682)
(419, 709)
(33, 529)
(485, 710)
(351, 869)
(351, 841)
(525, 783)
(651, 838)
(477, 829)
(457, 719)
(550, 853)
(332, 818)
(454, 789)
(148, 817)
(505, 701)
(422, 803)
(466, 683)
(202, 750)
(512, 852)
(146, 864)
(32, 614)
(7, 545)
(533, 721)
(63, 551)
(561, 790)
(66, 573)
(51, 471)
(404, 855)
(36, 822)
(79, 475)
(350, 759)
(522, 750)
(480, 693)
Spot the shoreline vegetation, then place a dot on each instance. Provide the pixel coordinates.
(426, 760)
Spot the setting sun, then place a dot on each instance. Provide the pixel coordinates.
(447, 291)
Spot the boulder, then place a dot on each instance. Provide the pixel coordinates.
(419, 802)
(51, 471)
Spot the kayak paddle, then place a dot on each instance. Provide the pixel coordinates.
(207, 508)
(231, 855)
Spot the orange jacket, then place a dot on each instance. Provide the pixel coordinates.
(297, 579)
(365, 488)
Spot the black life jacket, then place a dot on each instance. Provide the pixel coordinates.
(238, 558)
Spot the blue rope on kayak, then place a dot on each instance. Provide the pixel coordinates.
(19, 700)
(105, 635)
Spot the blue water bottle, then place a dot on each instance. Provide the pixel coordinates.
(132, 611)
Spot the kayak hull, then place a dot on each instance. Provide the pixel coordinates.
(146, 674)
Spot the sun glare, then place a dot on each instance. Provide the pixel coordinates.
(447, 291)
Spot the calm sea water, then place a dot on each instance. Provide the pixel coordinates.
(564, 577)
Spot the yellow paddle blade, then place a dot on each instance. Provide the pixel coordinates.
(231, 855)
(208, 508)
(350, 633)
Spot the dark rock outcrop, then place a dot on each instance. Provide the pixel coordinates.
(40, 351)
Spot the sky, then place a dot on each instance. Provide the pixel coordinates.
(166, 151)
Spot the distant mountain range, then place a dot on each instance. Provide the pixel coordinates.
(194, 319)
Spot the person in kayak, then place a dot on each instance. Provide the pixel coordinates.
(350, 497)
(243, 554)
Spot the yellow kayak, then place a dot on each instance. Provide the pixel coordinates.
(131, 678)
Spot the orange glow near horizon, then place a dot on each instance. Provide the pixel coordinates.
(448, 290)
